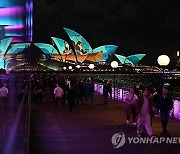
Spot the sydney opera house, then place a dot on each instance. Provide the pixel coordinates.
(78, 51)
(59, 94)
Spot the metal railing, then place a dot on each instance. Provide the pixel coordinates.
(121, 93)
(28, 119)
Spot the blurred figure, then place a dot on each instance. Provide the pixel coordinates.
(131, 102)
(165, 104)
(71, 96)
(87, 91)
(155, 111)
(91, 92)
(144, 111)
(3, 97)
(58, 92)
(37, 95)
(77, 93)
(109, 88)
(137, 90)
(105, 93)
(155, 95)
(82, 92)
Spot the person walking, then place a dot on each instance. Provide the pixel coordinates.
(131, 102)
(71, 96)
(91, 92)
(165, 104)
(82, 91)
(58, 92)
(87, 91)
(137, 89)
(109, 88)
(105, 93)
(144, 110)
(3, 97)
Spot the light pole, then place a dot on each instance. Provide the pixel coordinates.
(91, 67)
(114, 65)
(70, 67)
(178, 53)
(64, 68)
(78, 67)
(163, 60)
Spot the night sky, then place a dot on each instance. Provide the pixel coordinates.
(143, 26)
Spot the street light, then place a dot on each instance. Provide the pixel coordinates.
(78, 66)
(91, 66)
(114, 65)
(64, 68)
(178, 53)
(70, 67)
(163, 60)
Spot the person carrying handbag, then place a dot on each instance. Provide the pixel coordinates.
(130, 106)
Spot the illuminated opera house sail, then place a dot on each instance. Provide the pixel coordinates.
(16, 27)
(78, 50)
(81, 52)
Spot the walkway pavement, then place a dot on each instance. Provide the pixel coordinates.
(89, 130)
(12, 123)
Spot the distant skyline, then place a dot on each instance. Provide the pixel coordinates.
(135, 26)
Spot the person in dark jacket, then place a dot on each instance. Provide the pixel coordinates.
(105, 93)
(91, 91)
(165, 104)
(71, 96)
(137, 89)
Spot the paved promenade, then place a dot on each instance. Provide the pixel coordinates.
(89, 130)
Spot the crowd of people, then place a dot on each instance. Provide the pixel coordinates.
(145, 104)
(141, 103)
(69, 90)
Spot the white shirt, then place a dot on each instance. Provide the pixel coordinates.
(3, 92)
(131, 99)
(144, 109)
(58, 92)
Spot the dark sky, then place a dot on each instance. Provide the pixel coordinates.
(136, 26)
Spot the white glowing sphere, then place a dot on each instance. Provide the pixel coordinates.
(91, 66)
(78, 66)
(163, 60)
(70, 67)
(114, 64)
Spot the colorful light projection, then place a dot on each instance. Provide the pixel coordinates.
(83, 50)
(177, 109)
(16, 17)
(76, 37)
(132, 59)
(18, 48)
(81, 44)
(4, 45)
(7, 50)
(1, 32)
(29, 20)
(47, 49)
